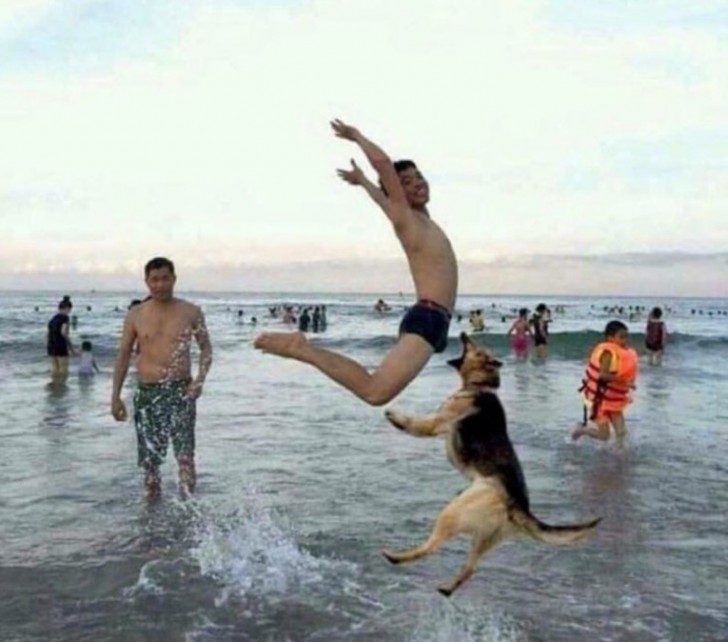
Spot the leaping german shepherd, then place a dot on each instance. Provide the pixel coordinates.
(495, 506)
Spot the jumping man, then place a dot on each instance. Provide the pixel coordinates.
(403, 196)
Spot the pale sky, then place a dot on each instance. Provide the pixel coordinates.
(571, 147)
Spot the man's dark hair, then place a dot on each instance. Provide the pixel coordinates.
(656, 313)
(399, 167)
(158, 263)
(613, 327)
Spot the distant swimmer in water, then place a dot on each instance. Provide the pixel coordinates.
(88, 366)
(655, 335)
(520, 333)
(608, 380)
(403, 196)
(477, 322)
(540, 324)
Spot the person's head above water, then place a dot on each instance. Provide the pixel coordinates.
(616, 331)
(160, 278)
(416, 189)
(87, 346)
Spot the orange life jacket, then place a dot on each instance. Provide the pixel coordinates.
(612, 395)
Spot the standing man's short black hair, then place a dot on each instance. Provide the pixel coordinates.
(157, 263)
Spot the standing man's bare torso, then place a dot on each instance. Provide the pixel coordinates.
(164, 333)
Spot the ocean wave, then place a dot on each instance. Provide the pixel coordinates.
(568, 345)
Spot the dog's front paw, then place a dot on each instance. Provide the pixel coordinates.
(397, 420)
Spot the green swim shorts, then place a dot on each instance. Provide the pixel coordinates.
(162, 411)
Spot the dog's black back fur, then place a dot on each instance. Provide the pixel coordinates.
(482, 443)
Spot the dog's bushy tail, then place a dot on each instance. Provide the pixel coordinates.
(563, 534)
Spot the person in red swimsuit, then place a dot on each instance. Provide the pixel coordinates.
(402, 194)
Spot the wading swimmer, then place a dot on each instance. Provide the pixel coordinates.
(162, 328)
(608, 381)
(59, 340)
(403, 194)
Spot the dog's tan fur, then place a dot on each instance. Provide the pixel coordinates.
(495, 505)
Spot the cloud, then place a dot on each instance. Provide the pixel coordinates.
(203, 132)
(666, 274)
(19, 16)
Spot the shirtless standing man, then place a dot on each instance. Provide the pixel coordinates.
(162, 328)
(403, 197)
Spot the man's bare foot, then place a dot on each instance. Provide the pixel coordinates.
(291, 345)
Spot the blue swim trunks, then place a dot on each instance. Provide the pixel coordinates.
(429, 320)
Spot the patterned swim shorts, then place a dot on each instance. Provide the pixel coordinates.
(162, 411)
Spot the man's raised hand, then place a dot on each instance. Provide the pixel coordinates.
(353, 176)
(342, 130)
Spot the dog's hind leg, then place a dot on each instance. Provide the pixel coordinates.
(480, 547)
(446, 527)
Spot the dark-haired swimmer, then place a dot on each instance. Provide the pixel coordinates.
(162, 329)
(403, 194)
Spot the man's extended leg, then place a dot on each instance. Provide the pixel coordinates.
(152, 480)
(399, 367)
(187, 474)
(182, 417)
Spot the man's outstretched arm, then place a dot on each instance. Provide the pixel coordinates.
(381, 163)
(355, 176)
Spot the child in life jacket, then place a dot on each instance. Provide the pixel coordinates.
(608, 380)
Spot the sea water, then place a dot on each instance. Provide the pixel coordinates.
(301, 485)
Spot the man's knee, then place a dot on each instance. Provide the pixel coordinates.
(378, 395)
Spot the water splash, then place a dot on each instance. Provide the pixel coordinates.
(145, 585)
(442, 621)
(253, 552)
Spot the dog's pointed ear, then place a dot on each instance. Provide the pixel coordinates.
(456, 363)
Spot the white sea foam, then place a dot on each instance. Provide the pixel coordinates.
(145, 585)
(254, 551)
(447, 621)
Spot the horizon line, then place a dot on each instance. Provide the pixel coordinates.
(103, 290)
